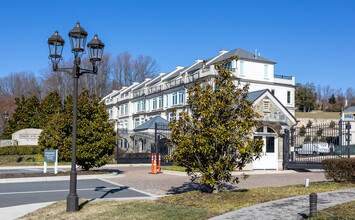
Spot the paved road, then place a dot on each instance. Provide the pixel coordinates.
(27, 170)
(13, 194)
(171, 182)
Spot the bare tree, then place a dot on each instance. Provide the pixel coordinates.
(17, 84)
(350, 96)
(127, 70)
(327, 92)
(99, 83)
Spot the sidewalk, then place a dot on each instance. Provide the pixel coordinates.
(289, 208)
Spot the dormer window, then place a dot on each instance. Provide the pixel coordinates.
(266, 71)
(241, 68)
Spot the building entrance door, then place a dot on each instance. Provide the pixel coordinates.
(268, 158)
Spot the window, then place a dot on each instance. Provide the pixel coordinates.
(142, 121)
(126, 109)
(181, 97)
(261, 129)
(122, 110)
(229, 66)
(140, 105)
(273, 91)
(288, 97)
(136, 122)
(160, 102)
(175, 98)
(241, 69)
(266, 106)
(154, 103)
(110, 113)
(266, 71)
(125, 124)
(167, 100)
(172, 117)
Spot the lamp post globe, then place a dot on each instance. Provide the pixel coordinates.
(77, 37)
(55, 45)
(5, 116)
(96, 50)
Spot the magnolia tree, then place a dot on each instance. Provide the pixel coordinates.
(217, 136)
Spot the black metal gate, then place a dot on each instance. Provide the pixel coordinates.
(307, 146)
(137, 147)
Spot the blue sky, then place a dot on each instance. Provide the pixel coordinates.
(311, 40)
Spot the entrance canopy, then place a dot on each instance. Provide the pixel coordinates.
(162, 123)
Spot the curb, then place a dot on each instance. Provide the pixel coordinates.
(69, 166)
(57, 178)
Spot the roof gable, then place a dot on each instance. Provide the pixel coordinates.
(151, 123)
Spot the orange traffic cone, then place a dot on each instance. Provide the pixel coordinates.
(155, 164)
(159, 163)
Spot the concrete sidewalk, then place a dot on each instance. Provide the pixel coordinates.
(289, 208)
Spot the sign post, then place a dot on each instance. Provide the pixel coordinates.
(51, 156)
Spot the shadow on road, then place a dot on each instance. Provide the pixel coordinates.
(110, 191)
(111, 171)
(193, 186)
(186, 187)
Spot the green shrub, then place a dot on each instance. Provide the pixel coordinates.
(20, 150)
(302, 130)
(340, 170)
(308, 138)
(309, 124)
(332, 124)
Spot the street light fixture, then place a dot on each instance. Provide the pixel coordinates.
(77, 38)
(5, 116)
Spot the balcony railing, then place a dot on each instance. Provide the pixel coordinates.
(155, 89)
(174, 83)
(122, 131)
(282, 76)
(139, 93)
(200, 74)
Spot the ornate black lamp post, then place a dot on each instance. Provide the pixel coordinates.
(5, 117)
(77, 38)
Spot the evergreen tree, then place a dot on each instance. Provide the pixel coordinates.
(95, 135)
(217, 136)
(50, 105)
(332, 99)
(27, 115)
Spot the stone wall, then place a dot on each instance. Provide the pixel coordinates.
(316, 121)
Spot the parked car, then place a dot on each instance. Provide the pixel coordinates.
(313, 148)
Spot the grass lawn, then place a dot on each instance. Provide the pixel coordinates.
(326, 115)
(25, 160)
(343, 211)
(190, 205)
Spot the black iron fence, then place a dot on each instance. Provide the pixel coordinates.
(310, 145)
(137, 147)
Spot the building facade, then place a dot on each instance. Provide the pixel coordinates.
(272, 95)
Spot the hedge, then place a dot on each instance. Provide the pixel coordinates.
(340, 170)
(20, 150)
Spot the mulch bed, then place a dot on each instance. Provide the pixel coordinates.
(66, 173)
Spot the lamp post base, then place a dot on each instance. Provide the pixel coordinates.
(72, 203)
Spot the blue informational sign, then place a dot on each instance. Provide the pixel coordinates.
(50, 156)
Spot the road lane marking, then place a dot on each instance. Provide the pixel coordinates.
(62, 190)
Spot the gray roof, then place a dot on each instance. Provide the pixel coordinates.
(151, 124)
(350, 109)
(252, 96)
(243, 54)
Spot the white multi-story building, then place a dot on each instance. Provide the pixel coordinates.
(132, 106)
